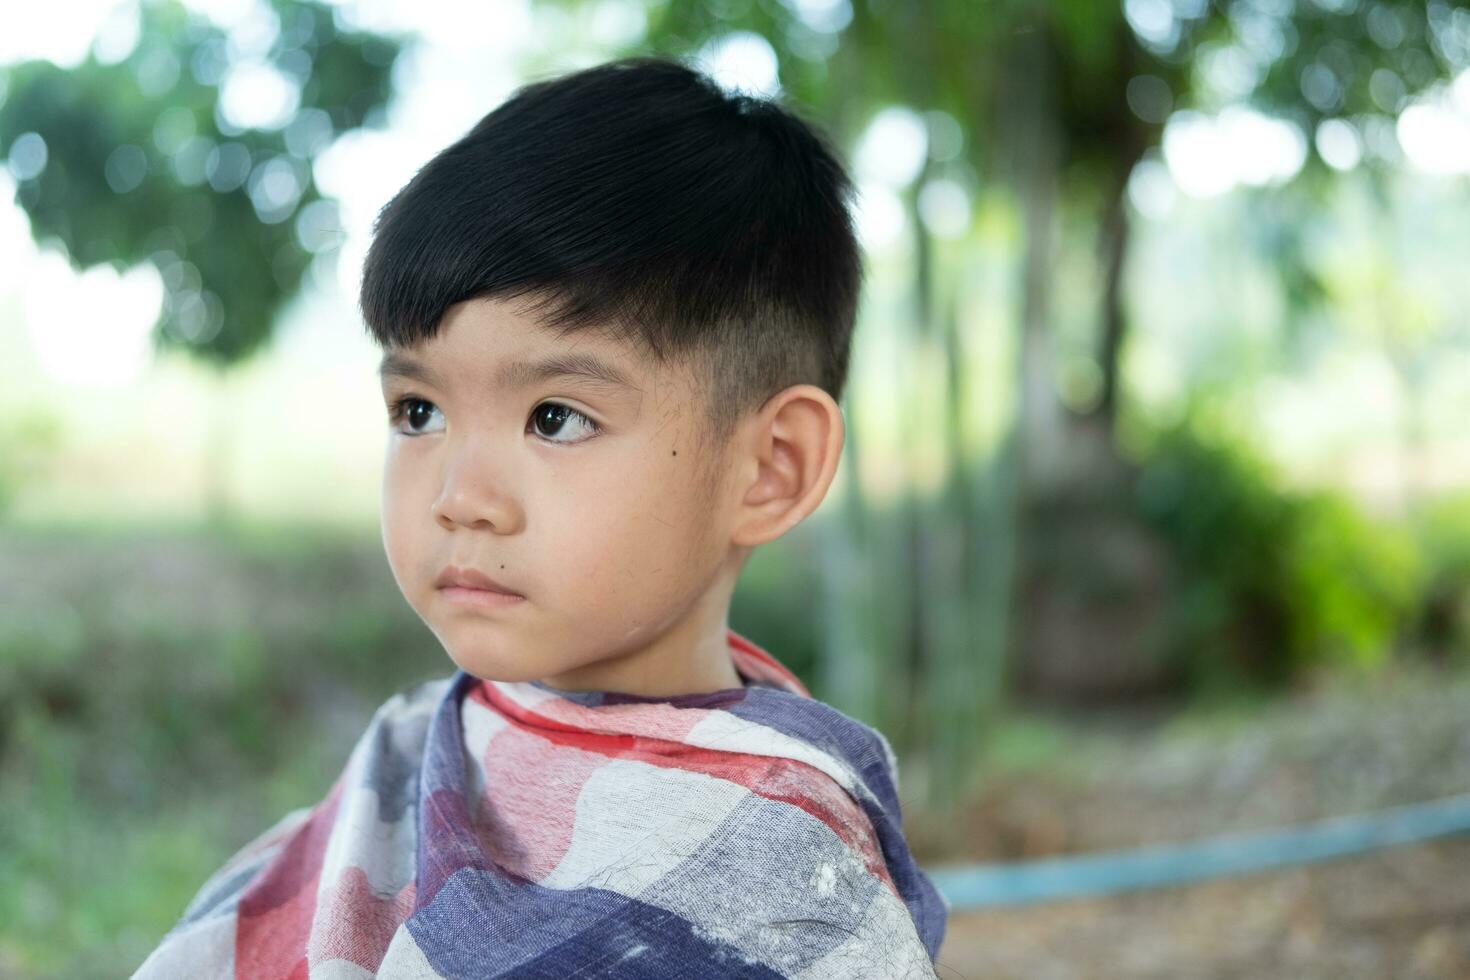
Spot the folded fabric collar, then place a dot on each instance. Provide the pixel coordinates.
(754, 665)
(484, 828)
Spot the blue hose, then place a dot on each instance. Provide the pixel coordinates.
(974, 886)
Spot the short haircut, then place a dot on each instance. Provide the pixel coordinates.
(703, 227)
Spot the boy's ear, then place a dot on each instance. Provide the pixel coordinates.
(790, 451)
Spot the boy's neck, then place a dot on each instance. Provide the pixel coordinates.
(692, 656)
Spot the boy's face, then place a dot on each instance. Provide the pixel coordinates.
(583, 495)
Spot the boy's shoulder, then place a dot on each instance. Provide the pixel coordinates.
(853, 754)
(399, 727)
(415, 701)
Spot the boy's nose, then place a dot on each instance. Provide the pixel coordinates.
(472, 496)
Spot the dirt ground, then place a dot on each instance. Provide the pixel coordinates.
(1402, 913)
(1340, 747)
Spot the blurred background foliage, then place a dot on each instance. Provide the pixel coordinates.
(1157, 395)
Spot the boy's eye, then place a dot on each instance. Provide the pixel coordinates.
(555, 416)
(414, 411)
(549, 419)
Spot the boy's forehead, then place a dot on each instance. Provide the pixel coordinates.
(520, 371)
(591, 356)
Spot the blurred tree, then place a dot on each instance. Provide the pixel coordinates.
(137, 160)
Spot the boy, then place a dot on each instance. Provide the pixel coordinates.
(615, 318)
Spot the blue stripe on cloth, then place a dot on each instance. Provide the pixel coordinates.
(555, 934)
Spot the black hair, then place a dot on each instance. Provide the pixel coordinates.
(637, 195)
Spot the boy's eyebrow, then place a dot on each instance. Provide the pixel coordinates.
(519, 374)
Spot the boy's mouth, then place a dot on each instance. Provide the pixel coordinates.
(479, 597)
(456, 579)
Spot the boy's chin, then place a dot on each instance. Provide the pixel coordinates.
(497, 665)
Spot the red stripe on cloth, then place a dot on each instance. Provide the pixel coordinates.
(274, 916)
(359, 924)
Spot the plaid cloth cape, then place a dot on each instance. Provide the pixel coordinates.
(512, 829)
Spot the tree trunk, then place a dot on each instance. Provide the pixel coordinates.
(1113, 240)
(1028, 126)
(1032, 128)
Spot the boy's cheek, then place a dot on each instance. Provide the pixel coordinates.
(406, 503)
(400, 561)
(395, 533)
(406, 528)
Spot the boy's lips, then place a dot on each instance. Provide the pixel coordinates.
(455, 577)
(485, 598)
